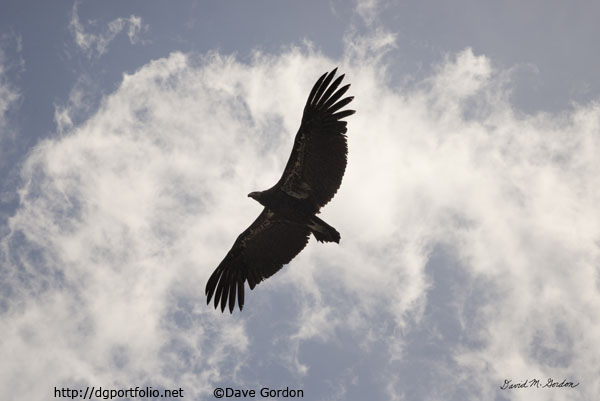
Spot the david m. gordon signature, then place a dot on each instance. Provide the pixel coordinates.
(536, 383)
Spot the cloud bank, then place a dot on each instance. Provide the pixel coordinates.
(469, 250)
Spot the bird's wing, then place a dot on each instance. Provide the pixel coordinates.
(318, 159)
(259, 252)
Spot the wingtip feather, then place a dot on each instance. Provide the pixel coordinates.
(241, 295)
(232, 292)
(224, 297)
(323, 86)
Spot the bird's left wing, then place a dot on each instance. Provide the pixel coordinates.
(259, 252)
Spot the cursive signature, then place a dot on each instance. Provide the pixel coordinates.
(536, 383)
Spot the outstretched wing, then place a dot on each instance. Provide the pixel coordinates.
(316, 166)
(258, 253)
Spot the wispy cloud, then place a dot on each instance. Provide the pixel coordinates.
(78, 105)
(468, 230)
(9, 92)
(368, 10)
(96, 44)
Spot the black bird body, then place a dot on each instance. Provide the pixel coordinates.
(311, 177)
(285, 204)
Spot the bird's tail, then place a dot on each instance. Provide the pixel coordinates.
(323, 232)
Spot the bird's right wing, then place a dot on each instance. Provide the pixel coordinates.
(259, 252)
(319, 156)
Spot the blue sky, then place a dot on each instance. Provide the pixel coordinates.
(131, 132)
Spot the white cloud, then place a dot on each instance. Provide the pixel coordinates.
(123, 218)
(96, 44)
(368, 10)
(78, 106)
(9, 94)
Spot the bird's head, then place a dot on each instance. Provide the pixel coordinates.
(255, 195)
(258, 196)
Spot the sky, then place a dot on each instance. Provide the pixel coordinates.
(131, 133)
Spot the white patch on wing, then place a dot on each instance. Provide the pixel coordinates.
(315, 227)
(290, 184)
(300, 190)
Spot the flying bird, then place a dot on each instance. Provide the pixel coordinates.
(309, 181)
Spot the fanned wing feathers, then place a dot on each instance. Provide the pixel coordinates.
(259, 252)
(318, 159)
